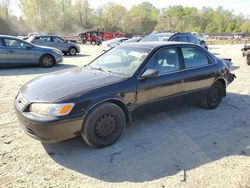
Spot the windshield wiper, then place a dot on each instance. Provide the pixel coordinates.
(100, 69)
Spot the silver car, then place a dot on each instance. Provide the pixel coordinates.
(16, 52)
(55, 42)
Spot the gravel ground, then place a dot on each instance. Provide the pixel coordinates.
(186, 147)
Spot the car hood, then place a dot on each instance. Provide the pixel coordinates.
(55, 86)
(46, 47)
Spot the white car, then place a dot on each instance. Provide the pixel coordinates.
(113, 43)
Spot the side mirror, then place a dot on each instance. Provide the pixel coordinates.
(150, 73)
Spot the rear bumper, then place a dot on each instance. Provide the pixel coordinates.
(49, 129)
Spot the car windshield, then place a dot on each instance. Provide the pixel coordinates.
(156, 37)
(122, 60)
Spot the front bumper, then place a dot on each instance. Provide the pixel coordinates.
(50, 129)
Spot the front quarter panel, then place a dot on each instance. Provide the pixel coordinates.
(123, 92)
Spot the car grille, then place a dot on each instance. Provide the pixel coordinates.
(21, 102)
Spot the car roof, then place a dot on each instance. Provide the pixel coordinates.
(9, 36)
(153, 45)
(47, 36)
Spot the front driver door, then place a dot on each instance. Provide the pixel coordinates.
(60, 44)
(19, 52)
(165, 89)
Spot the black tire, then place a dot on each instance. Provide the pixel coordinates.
(104, 125)
(214, 96)
(47, 61)
(72, 51)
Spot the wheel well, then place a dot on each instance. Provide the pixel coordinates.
(122, 106)
(72, 47)
(224, 85)
(49, 55)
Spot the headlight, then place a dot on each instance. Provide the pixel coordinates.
(51, 109)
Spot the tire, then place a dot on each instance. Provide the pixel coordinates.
(47, 61)
(214, 96)
(65, 53)
(103, 126)
(72, 51)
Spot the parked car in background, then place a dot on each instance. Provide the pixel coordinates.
(98, 100)
(246, 52)
(113, 42)
(55, 42)
(134, 39)
(17, 52)
(180, 37)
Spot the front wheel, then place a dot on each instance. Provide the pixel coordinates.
(72, 51)
(47, 61)
(214, 96)
(104, 125)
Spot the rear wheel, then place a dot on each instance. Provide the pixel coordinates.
(47, 61)
(214, 96)
(104, 125)
(72, 51)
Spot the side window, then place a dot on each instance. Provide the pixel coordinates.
(45, 39)
(13, 43)
(194, 58)
(165, 60)
(57, 39)
(193, 39)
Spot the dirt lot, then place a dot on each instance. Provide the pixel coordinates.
(186, 147)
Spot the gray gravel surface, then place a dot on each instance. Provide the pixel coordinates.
(185, 147)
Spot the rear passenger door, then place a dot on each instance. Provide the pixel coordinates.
(199, 73)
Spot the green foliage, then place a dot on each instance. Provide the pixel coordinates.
(75, 16)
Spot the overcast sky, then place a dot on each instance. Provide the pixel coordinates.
(238, 6)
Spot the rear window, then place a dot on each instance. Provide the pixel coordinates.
(156, 37)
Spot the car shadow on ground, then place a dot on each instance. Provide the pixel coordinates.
(29, 70)
(75, 56)
(163, 144)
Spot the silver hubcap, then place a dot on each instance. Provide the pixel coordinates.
(47, 61)
(72, 51)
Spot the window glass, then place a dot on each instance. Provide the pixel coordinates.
(165, 61)
(194, 58)
(45, 39)
(183, 39)
(193, 39)
(175, 39)
(121, 60)
(57, 39)
(14, 43)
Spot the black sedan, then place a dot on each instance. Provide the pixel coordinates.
(98, 100)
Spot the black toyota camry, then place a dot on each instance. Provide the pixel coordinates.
(97, 101)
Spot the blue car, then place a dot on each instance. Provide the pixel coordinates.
(17, 52)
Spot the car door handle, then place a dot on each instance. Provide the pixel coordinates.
(11, 51)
